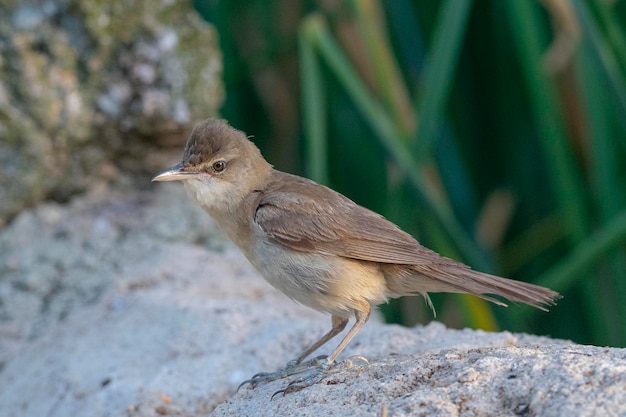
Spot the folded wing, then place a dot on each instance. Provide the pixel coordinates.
(309, 217)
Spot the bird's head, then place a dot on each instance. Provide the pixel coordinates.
(220, 166)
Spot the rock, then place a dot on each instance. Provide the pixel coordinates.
(516, 377)
(91, 88)
(57, 258)
(130, 304)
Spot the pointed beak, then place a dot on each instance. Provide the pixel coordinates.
(175, 173)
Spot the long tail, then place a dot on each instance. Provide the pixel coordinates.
(457, 277)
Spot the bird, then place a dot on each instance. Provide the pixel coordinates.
(317, 246)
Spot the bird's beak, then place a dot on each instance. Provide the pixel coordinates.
(175, 173)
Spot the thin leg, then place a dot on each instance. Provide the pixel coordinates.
(297, 365)
(297, 385)
(361, 318)
(339, 323)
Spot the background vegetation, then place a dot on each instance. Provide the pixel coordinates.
(494, 131)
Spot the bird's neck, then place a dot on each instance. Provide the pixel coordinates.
(234, 211)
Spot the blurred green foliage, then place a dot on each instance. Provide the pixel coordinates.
(494, 131)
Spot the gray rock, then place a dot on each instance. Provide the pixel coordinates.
(57, 258)
(91, 88)
(114, 305)
(513, 378)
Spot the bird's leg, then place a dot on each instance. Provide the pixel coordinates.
(361, 317)
(298, 365)
(338, 324)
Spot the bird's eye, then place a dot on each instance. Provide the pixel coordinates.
(219, 166)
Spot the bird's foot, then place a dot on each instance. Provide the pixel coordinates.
(292, 368)
(311, 379)
(320, 372)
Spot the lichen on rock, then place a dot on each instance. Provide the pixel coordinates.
(92, 88)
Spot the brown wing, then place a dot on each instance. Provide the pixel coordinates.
(309, 217)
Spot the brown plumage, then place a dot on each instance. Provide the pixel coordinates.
(317, 246)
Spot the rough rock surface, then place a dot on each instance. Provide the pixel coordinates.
(514, 377)
(132, 305)
(90, 87)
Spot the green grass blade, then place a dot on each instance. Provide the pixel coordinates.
(609, 191)
(588, 253)
(564, 175)
(439, 72)
(388, 78)
(547, 113)
(313, 111)
(317, 33)
(611, 56)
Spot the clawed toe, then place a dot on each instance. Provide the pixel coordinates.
(302, 383)
(280, 391)
(321, 369)
(292, 368)
(252, 381)
(262, 378)
(320, 373)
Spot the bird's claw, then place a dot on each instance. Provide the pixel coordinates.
(292, 368)
(305, 382)
(254, 381)
(280, 391)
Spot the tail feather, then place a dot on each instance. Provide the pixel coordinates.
(512, 290)
(456, 277)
